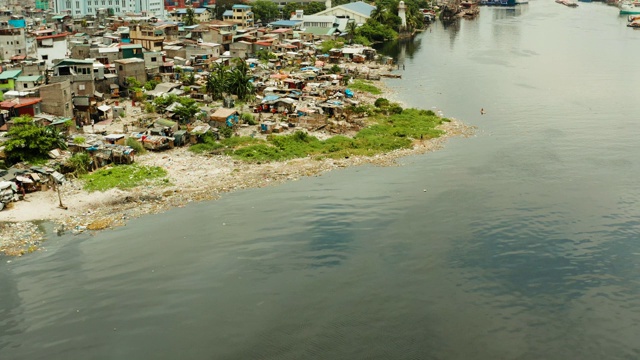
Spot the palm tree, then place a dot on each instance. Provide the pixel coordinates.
(379, 13)
(190, 17)
(217, 81)
(239, 81)
(352, 27)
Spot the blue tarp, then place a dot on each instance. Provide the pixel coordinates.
(349, 93)
(310, 68)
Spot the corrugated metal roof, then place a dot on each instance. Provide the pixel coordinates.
(9, 74)
(359, 7)
(29, 78)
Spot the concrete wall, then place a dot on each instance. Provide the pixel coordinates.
(56, 98)
(57, 51)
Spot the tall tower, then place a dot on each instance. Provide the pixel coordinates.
(402, 8)
(327, 4)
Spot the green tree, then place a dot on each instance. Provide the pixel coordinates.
(379, 13)
(330, 44)
(376, 31)
(188, 78)
(190, 17)
(239, 82)
(217, 81)
(314, 7)
(265, 10)
(31, 142)
(187, 109)
(352, 30)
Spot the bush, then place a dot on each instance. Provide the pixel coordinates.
(249, 119)
(381, 102)
(226, 132)
(79, 140)
(149, 108)
(79, 163)
(135, 145)
(395, 109)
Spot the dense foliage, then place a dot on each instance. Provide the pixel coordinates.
(309, 8)
(31, 142)
(265, 10)
(236, 81)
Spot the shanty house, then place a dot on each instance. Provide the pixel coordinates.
(224, 117)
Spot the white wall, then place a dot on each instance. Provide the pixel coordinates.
(58, 51)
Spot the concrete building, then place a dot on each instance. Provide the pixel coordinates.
(240, 15)
(51, 47)
(8, 80)
(152, 59)
(132, 67)
(13, 42)
(79, 73)
(200, 15)
(28, 82)
(148, 36)
(56, 98)
(79, 8)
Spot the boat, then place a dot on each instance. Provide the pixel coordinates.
(634, 24)
(633, 18)
(628, 8)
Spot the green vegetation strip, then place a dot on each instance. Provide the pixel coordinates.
(124, 177)
(388, 133)
(365, 86)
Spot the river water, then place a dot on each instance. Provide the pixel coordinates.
(519, 243)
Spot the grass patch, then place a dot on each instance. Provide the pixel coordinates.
(366, 86)
(124, 177)
(387, 133)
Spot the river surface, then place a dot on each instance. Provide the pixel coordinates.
(522, 242)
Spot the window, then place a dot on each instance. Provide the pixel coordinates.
(64, 92)
(77, 4)
(153, 59)
(25, 85)
(19, 51)
(17, 42)
(66, 106)
(120, 67)
(45, 57)
(81, 87)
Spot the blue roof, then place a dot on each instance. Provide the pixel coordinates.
(286, 23)
(196, 11)
(359, 7)
(227, 13)
(9, 74)
(238, 6)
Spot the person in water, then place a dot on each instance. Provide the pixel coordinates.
(482, 111)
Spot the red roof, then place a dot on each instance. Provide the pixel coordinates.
(52, 36)
(19, 57)
(19, 102)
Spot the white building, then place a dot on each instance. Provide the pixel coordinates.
(51, 46)
(79, 8)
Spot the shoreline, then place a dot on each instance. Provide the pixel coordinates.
(209, 176)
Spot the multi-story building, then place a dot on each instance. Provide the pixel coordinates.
(200, 15)
(78, 8)
(51, 46)
(12, 42)
(239, 14)
(79, 72)
(148, 36)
